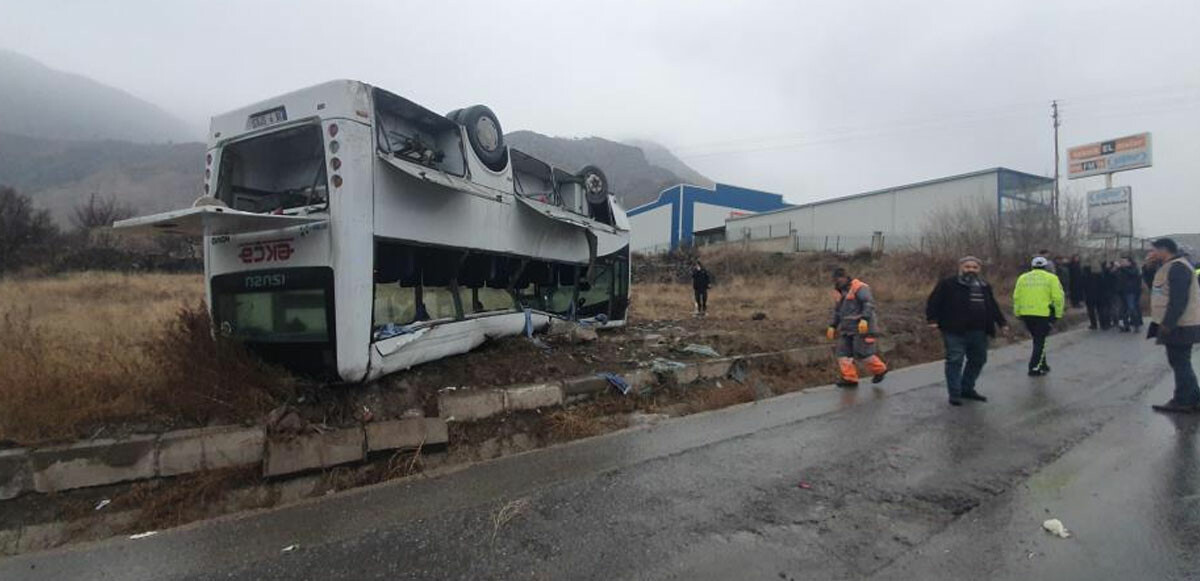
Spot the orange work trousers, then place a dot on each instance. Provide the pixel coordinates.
(863, 348)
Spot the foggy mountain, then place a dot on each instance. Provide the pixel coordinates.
(64, 137)
(38, 101)
(60, 174)
(631, 175)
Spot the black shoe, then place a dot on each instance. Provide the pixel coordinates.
(847, 384)
(954, 401)
(1045, 369)
(878, 378)
(1176, 408)
(1125, 329)
(974, 395)
(1036, 373)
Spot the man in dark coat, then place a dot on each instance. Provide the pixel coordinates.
(965, 310)
(1091, 292)
(1129, 293)
(1175, 311)
(1076, 284)
(701, 280)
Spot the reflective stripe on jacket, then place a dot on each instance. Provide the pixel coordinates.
(1038, 294)
(850, 306)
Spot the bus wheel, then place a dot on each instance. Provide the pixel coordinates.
(595, 184)
(487, 138)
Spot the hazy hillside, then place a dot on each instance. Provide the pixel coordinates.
(60, 174)
(38, 101)
(658, 155)
(633, 177)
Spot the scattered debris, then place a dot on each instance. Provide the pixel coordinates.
(759, 316)
(365, 414)
(582, 334)
(142, 535)
(738, 371)
(662, 365)
(284, 419)
(699, 349)
(804, 485)
(289, 548)
(654, 340)
(390, 330)
(412, 413)
(616, 381)
(103, 503)
(645, 419)
(506, 514)
(1056, 528)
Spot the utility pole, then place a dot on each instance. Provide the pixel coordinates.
(1054, 200)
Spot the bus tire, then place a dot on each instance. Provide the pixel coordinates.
(485, 135)
(595, 184)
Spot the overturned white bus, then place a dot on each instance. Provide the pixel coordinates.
(350, 233)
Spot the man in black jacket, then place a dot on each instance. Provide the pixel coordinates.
(701, 280)
(965, 310)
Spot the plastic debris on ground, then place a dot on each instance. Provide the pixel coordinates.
(699, 349)
(617, 382)
(391, 330)
(143, 535)
(804, 485)
(661, 365)
(1056, 528)
(738, 371)
(289, 548)
(103, 503)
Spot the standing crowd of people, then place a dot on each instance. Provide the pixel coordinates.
(964, 309)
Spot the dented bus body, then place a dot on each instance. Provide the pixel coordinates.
(350, 233)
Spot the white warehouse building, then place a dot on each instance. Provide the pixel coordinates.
(895, 216)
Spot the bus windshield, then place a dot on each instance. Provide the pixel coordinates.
(282, 306)
(274, 172)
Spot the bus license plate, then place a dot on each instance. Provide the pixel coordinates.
(266, 118)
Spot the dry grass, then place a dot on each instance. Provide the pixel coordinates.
(102, 349)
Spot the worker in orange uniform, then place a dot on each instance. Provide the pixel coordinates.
(853, 326)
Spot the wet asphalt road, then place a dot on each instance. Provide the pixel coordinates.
(896, 485)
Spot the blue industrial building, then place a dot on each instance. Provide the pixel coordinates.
(682, 212)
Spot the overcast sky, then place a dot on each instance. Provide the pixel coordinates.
(808, 99)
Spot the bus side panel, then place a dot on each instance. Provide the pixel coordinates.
(353, 246)
(407, 208)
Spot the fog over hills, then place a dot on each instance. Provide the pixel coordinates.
(38, 101)
(64, 137)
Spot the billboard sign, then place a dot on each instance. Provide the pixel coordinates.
(1123, 153)
(1109, 212)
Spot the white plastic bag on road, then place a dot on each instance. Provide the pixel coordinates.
(1056, 528)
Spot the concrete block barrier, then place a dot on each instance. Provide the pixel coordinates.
(532, 397)
(715, 369)
(16, 474)
(94, 463)
(588, 385)
(312, 451)
(185, 451)
(403, 434)
(467, 405)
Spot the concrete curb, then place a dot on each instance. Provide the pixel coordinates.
(142, 457)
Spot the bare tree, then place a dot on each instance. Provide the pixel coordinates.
(100, 212)
(26, 234)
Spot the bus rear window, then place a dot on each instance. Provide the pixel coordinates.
(274, 172)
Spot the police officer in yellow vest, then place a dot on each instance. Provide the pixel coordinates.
(1175, 310)
(1038, 300)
